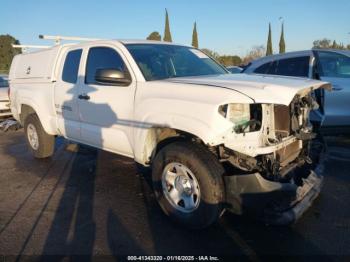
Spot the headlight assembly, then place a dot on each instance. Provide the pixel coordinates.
(245, 117)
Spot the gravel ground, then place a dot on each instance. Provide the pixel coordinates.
(88, 202)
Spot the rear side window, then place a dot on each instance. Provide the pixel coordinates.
(71, 66)
(263, 69)
(296, 66)
(102, 58)
(268, 68)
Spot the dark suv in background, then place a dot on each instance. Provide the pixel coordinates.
(328, 65)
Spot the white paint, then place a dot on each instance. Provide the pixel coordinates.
(123, 119)
(4, 102)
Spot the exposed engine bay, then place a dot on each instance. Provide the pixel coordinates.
(285, 131)
(274, 178)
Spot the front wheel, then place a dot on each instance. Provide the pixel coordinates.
(188, 183)
(40, 143)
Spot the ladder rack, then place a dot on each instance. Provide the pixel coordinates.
(59, 38)
(26, 47)
(56, 38)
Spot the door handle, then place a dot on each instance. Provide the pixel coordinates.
(84, 97)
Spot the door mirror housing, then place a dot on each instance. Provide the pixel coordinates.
(112, 77)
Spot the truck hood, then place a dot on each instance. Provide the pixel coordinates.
(260, 88)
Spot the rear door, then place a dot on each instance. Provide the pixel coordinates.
(66, 93)
(334, 67)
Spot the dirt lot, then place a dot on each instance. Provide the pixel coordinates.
(97, 204)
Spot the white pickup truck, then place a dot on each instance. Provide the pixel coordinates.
(215, 141)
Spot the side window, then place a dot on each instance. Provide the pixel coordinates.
(268, 68)
(263, 69)
(296, 66)
(273, 68)
(333, 64)
(102, 58)
(71, 66)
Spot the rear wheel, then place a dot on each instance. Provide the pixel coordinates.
(188, 184)
(40, 143)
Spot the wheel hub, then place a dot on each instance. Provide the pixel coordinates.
(183, 184)
(180, 187)
(33, 136)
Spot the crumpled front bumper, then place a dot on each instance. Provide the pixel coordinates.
(274, 203)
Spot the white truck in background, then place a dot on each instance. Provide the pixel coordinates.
(215, 141)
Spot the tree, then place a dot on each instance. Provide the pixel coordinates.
(7, 52)
(282, 42)
(269, 42)
(327, 43)
(229, 60)
(322, 43)
(236, 60)
(254, 53)
(154, 36)
(167, 34)
(334, 45)
(195, 36)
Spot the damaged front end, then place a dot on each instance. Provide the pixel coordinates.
(271, 172)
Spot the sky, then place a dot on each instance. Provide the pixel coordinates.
(226, 26)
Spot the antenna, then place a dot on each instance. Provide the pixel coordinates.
(59, 38)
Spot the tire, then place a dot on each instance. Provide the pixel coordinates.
(43, 145)
(202, 190)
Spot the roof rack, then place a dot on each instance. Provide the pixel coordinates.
(26, 47)
(59, 38)
(56, 38)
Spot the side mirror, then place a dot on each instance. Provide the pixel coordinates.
(112, 77)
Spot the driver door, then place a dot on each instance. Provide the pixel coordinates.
(106, 110)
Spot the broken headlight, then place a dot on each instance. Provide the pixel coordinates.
(245, 117)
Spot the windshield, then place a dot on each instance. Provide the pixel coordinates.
(157, 61)
(3, 82)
